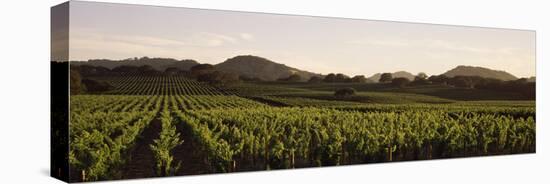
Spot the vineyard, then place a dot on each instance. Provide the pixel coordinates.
(160, 85)
(203, 129)
(290, 137)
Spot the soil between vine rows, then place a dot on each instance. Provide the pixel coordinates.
(142, 163)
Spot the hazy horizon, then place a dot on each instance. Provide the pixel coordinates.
(315, 44)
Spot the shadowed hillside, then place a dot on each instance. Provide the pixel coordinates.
(481, 72)
(262, 68)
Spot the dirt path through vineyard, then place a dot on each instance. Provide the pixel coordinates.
(142, 162)
(267, 101)
(192, 161)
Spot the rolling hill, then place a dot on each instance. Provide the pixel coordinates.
(267, 70)
(479, 71)
(158, 63)
(262, 68)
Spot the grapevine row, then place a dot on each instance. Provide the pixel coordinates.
(287, 137)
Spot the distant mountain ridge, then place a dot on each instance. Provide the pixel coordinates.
(479, 71)
(262, 68)
(158, 63)
(265, 69)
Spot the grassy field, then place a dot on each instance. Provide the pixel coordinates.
(434, 90)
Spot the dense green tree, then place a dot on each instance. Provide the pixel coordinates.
(359, 79)
(291, 78)
(172, 71)
(94, 86)
(124, 69)
(219, 78)
(400, 82)
(421, 78)
(201, 69)
(249, 79)
(385, 77)
(76, 83)
(438, 79)
(342, 78)
(331, 77)
(344, 92)
(315, 79)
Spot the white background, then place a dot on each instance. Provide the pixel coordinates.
(24, 94)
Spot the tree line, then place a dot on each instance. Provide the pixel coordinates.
(81, 78)
(522, 85)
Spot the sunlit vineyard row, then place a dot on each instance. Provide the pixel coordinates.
(104, 127)
(290, 137)
(234, 133)
(102, 131)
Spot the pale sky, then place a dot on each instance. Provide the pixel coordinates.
(315, 44)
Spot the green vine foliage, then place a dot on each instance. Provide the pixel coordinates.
(168, 140)
(233, 133)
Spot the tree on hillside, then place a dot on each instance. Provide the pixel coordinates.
(344, 92)
(147, 70)
(171, 71)
(294, 78)
(125, 69)
(315, 79)
(89, 70)
(385, 77)
(464, 81)
(331, 77)
(219, 78)
(339, 77)
(342, 78)
(491, 84)
(359, 79)
(400, 82)
(249, 79)
(420, 78)
(438, 79)
(291, 78)
(97, 86)
(201, 69)
(76, 83)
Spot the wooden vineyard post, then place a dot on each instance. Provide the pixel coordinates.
(83, 175)
(267, 157)
(464, 152)
(292, 159)
(390, 152)
(430, 151)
